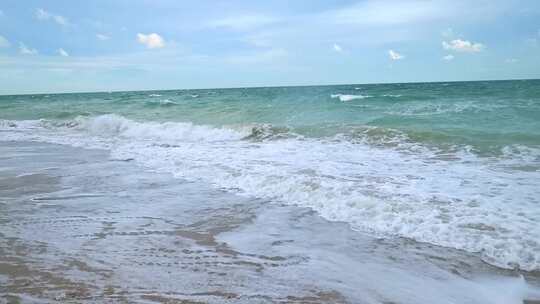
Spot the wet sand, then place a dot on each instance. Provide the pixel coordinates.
(77, 226)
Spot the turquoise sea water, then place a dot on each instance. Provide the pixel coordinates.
(485, 115)
(454, 164)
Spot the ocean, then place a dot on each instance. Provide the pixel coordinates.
(453, 164)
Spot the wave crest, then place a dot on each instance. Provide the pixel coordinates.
(115, 125)
(268, 132)
(348, 97)
(160, 103)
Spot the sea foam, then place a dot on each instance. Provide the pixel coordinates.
(347, 97)
(403, 189)
(115, 125)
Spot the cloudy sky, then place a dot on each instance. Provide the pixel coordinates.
(104, 45)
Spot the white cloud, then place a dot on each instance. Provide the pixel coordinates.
(60, 20)
(102, 37)
(466, 46)
(449, 57)
(41, 14)
(395, 55)
(391, 12)
(4, 43)
(408, 12)
(152, 41)
(242, 23)
(44, 15)
(25, 50)
(62, 52)
(337, 48)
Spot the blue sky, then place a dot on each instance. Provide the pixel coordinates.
(68, 46)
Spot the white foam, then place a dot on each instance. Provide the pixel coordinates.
(162, 102)
(166, 132)
(462, 201)
(421, 109)
(346, 97)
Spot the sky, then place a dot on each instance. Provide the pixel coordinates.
(111, 45)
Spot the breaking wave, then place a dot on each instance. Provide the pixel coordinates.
(346, 97)
(377, 180)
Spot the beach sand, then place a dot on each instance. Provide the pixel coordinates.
(77, 226)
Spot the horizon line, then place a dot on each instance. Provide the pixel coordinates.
(269, 86)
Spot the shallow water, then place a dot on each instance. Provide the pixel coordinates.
(86, 226)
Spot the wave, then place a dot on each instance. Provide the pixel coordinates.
(441, 108)
(349, 97)
(395, 189)
(264, 132)
(118, 126)
(161, 103)
(346, 97)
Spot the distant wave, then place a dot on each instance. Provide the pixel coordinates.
(163, 103)
(347, 97)
(441, 108)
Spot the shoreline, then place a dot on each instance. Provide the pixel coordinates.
(343, 180)
(80, 226)
(274, 86)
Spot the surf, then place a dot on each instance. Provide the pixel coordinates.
(398, 189)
